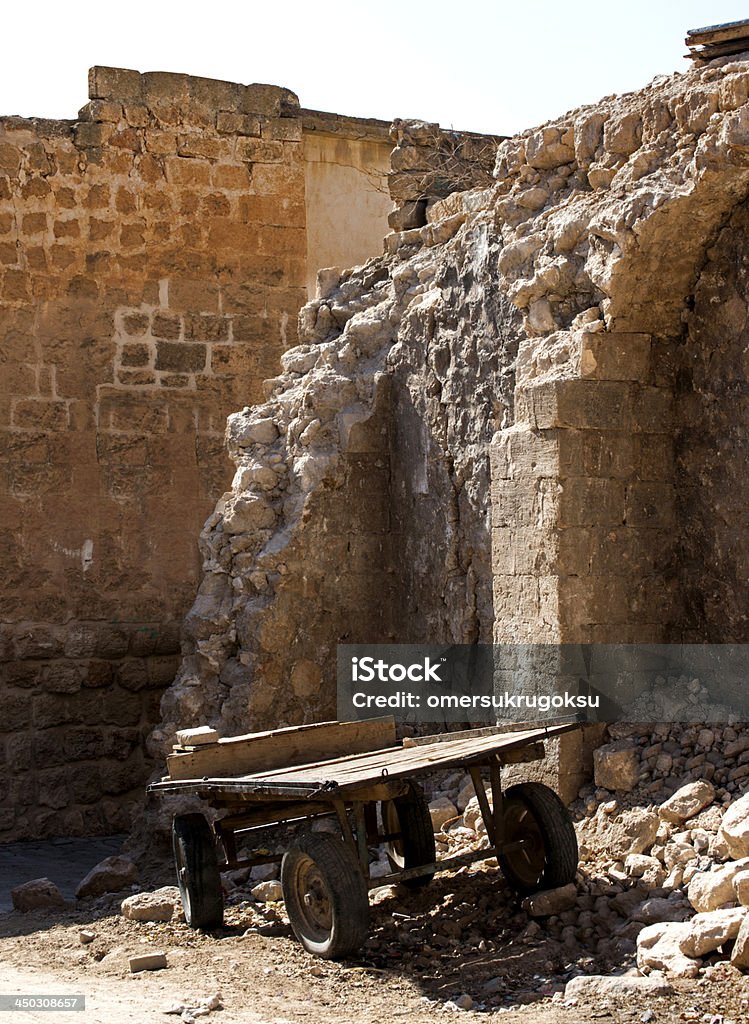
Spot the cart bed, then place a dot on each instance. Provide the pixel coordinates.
(344, 775)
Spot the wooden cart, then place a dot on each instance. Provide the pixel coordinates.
(367, 782)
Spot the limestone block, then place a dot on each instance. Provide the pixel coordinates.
(551, 901)
(740, 952)
(597, 987)
(151, 906)
(614, 356)
(659, 949)
(734, 828)
(708, 931)
(709, 890)
(687, 801)
(616, 765)
(441, 810)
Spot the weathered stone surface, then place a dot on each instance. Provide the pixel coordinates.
(616, 765)
(551, 901)
(740, 951)
(110, 875)
(734, 828)
(709, 890)
(151, 906)
(708, 931)
(597, 986)
(441, 810)
(38, 894)
(268, 892)
(659, 949)
(687, 801)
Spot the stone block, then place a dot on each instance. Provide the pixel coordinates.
(616, 766)
(615, 356)
(650, 504)
(114, 84)
(590, 501)
(269, 100)
(585, 404)
(180, 357)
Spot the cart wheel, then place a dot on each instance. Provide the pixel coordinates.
(548, 857)
(326, 895)
(198, 876)
(410, 816)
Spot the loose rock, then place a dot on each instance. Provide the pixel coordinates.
(110, 875)
(38, 894)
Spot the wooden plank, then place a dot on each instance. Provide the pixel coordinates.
(720, 50)
(265, 751)
(717, 33)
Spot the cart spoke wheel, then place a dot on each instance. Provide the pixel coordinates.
(410, 816)
(326, 895)
(534, 815)
(198, 875)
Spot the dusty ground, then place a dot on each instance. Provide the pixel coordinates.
(455, 937)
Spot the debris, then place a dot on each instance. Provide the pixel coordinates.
(151, 906)
(110, 875)
(38, 894)
(268, 892)
(147, 962)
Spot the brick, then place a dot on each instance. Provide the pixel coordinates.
(33, 223)
(587, 501)
(10, 159)
(200, 145)
(90, 135)
(231, 176)
(167, 326)
(187, 171)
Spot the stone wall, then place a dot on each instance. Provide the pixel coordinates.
(347, 161)
(711, 406)
(538, 325)
(153, 259)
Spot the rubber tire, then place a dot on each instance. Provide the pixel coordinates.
(550, 823)
(339, 881)
(417, 836)
(198, 875)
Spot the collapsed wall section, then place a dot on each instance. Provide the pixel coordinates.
(538, 321)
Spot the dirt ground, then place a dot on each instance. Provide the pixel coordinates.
(460, 936)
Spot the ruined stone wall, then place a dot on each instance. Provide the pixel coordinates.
(541, 324)
(712, 441)
(152, 262)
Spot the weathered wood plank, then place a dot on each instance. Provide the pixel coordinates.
(266, 751)
(720, 50)
(717, 33)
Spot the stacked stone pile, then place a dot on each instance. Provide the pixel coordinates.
(664, 851)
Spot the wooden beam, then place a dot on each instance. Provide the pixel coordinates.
(717, 33)
(283, 748)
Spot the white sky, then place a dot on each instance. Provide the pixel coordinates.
(478, 65)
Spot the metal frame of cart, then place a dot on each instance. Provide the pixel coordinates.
(375, 798)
